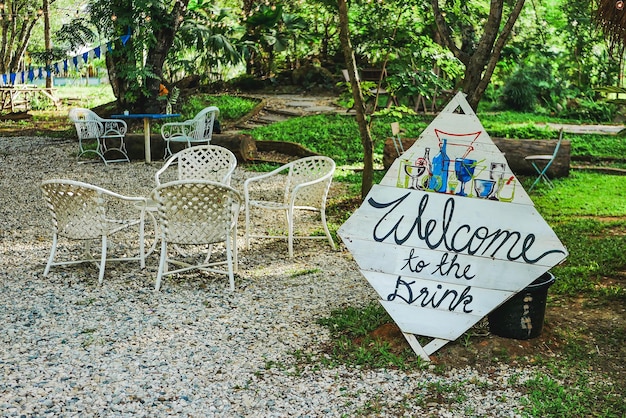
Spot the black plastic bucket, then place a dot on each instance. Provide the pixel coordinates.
(521, 317)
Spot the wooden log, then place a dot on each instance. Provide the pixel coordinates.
(242, 145)
(16, 116)
(284, 147)
(514, 151)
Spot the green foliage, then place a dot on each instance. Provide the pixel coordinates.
(231, 107)
(589, 111)
(577, 207)
(519, 92)
(341, 140)
(581, 397)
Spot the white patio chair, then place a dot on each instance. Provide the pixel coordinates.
(192, 131)
(197, 213)
(541, 163)
(202, 162)
(108, 134)
(85, 212)
(304, 186)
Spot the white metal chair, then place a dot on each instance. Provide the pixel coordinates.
(192, 131)
(108, 134)
(542, 162)
(202, 162)
(194, 213)
(85, 212)
(304, 186)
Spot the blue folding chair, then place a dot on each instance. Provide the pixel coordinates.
(541, 163)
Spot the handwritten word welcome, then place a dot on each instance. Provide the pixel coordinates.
(466, 238)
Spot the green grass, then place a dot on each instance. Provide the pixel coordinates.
(337, 135)
(231, 107)
(579, 397)
(350, 329)
(86, 96)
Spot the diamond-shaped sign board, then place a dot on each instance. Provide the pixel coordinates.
(450, 233)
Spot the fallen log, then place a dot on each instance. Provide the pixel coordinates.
(514, 151)
(16, 116)
(242, 145)
(283, 147)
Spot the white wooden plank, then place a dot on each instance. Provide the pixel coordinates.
(416, 346)
(443, 267)
(456, 218)
(433, 295)
(430, 322)
(435, 345)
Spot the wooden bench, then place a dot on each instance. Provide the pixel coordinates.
(19, 97)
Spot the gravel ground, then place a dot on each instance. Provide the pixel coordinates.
(72, 348)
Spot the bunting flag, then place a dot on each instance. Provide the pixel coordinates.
(10, 79)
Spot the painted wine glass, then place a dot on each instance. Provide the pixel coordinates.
(464, 169)
(415, 172)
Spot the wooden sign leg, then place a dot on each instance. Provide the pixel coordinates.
(428, 349)
(415, 345)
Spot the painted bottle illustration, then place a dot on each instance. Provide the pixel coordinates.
(439, 180)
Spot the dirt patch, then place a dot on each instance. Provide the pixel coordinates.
(573, 331)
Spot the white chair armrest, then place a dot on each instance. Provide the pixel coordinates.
(249, 182)
(174, 129)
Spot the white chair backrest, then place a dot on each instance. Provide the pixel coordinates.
(77, 208)
(202, 162)
(88, 124)
(309, 179)
(196, 211)
(203, 124)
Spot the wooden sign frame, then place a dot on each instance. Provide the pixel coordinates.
(448, 236)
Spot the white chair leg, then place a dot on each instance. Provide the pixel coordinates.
(142, 244)
(330, 238)
(229, 262)
(247, 233)
(290, 230)
(52, 254)
(235, 255)
(103, 259)
(162, 265)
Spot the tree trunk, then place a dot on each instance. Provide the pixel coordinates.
(47, 42)
(480, 64)
(121, 61)
(359, 103)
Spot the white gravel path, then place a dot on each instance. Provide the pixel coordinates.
(69, 347)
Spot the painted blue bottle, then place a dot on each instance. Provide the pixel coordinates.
(439, 179)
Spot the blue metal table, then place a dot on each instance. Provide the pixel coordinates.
(147, 118)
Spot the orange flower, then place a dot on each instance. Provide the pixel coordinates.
(163, 91)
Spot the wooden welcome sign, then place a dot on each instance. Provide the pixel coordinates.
(449, 234)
